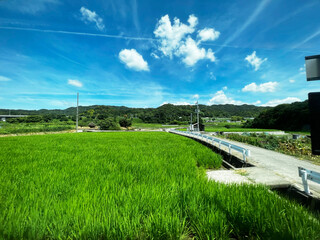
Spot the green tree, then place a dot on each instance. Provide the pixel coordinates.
(125, 122)
(109, 124)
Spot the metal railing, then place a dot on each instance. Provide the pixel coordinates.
(306, 174)
(245, 152)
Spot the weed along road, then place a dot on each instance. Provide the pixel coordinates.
(270, 168)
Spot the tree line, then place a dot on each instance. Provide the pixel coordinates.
(289, 117)
(167, 113)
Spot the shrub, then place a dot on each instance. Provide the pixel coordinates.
(109, 124)
(125, 122)
(91, 125)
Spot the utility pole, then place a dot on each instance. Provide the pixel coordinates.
(77, 117)
(191, 128)
(198, 116)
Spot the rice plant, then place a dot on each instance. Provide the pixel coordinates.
(133, 185)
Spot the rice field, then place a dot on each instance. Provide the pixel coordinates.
(133, 185)
(17, 128)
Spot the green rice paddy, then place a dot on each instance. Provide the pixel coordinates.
(133, 185)
(17, 128)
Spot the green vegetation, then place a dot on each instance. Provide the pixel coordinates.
(238, 129)
(109, 124)
(165, 114)
(153, 126)
(125, 122)
(150, 118)
(289, 117)
(300, 148)
(16, 128)
(172, 114)
(37, 123)
(225, 126)
(132, 185)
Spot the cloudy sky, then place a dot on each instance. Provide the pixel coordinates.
(146, 53)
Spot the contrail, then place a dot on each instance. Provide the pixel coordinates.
(79, 33)
(315, 34)
(262, 5)
(261, 48)
(144, 38)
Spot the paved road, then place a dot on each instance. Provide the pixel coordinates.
(271, 168)
(281, 165)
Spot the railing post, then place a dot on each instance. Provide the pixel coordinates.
(244, 155)
(248, 153)
(220, 144)
(304, 176)
(229, 148)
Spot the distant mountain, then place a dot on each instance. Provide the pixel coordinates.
(164, 113)
(69, 111)
(291, 117)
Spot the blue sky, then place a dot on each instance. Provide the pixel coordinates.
(145, 53)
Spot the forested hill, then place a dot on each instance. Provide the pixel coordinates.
(68, 111)
(164, 111)
(290, 117)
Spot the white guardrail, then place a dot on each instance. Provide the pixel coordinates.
(306, 174)
(245, 152)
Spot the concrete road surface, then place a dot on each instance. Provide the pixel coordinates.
(273, 168)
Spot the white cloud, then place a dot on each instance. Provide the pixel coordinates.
(302, 70)
(191, 53)
(90, 16)
(220, 98)
(193, 20)
(257, 102)
(212, 76)
(292, 80)
(4, 79)
(225, 88)
(175, 40)
(171, 35)
(210, 55)
(255, 61)
(208, 34)
(154, 55)
(264, 87)
(177, 103)
(276, 102)
(133, 60)
(196, 96)
(75, 82)
(61, 103)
